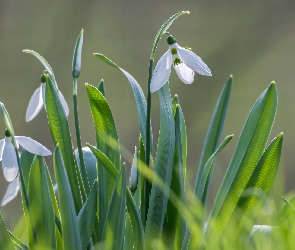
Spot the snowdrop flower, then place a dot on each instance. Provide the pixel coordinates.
(10, 164)
(37, 101)
(184, 61)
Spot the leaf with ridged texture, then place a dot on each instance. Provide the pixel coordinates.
(41, 205)
(174, 227)
(107, 141)
(131, 206)
(138, 95)
(259, 185)
(163, 167)
(213, 135)
(249, 149)
(60, 132)
(70, 230)
(86, 217)
(114, 229)
(5, 241)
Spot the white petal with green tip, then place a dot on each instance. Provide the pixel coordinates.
(32, 146)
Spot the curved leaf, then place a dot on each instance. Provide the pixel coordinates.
(259, 185)
(138, 95)
(5, 241)
(248, 151)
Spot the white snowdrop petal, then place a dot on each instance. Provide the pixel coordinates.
(2, 142)
(193, 61)
(184, 73)
(9, 161)
(11, 192)
(63, 103)
(32, 146)
(161, 72)
(35, 104)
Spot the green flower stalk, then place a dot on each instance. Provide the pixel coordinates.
(76, 68)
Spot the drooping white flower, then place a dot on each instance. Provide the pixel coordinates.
(184, 61)
(10, 164)
(37, 101)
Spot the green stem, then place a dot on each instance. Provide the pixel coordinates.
(147, 184)
(23, 186)
(79, 144)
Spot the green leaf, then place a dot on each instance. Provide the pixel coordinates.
(71, 235)
(138, 95)
(60, 132)
(26, 160)
(107, 141)
(248, 151)
(101, 88)
(163, 167)
(5, 241)
(114, 229)
(76, 63)
(17, 243)
(164, 29)
(86, 217)
(286, 216)
(213, 135)
(131, 206)
(174, 227)
(41, 205)
(201, 185)
(259, 185)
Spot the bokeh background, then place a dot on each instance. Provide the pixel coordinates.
(253, 40)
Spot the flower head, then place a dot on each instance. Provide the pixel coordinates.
(9, 161)
(184, 61)
(37, 101)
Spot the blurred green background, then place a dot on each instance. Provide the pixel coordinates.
(253, 40)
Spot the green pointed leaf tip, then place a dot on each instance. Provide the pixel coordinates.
(6, 119)
(76, 63)
(106, 60)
